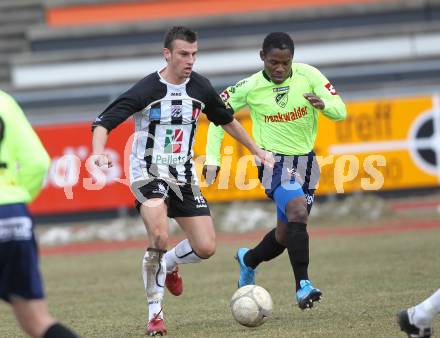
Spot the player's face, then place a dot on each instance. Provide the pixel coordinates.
(181, 57)
(277, 64)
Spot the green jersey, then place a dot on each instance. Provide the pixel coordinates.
(23, 160)
(283, 121)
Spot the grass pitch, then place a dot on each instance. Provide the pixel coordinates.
(365, 281)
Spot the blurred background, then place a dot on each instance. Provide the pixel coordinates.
(65, 60)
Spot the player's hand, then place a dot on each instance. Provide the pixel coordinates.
(265, 157)
(103, 160)
(314, 100)
(210, 172)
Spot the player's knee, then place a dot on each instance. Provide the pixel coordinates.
(206, 249)
(296, 211)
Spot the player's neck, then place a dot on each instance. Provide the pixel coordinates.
(171, 77)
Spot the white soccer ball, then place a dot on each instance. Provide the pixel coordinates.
(251, 305)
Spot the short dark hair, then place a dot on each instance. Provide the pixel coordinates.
(279, 40)
(179, 33)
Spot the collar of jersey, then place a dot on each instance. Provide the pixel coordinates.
(172, 84)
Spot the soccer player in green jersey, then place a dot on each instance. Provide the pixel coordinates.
(285, 100)
(23, 165)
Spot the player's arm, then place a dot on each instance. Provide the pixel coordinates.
(213, 145)
(99, 140)
(222, 115)
(116, 113)
(214, 141)
(234, 98)
(236, 130)
(324, 96)
(32, 158)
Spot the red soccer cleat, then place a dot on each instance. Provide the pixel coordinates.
(156, 327)
(174, 282)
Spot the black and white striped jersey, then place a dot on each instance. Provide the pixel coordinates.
(165, 118)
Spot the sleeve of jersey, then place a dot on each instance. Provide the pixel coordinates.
(234, 98)
(215, 109)
(121, 109)
(32, 157)
(334, 106)
(214, 144)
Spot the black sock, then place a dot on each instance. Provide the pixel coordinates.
(298, 249)
(59, 331)
(266, 250)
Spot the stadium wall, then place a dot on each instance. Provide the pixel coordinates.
(93, 14)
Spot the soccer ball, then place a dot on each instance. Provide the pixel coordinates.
(251, 305)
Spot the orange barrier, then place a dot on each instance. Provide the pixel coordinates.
(139, 11)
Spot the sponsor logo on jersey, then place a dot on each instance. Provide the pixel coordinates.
(176, 94)
(331, 89)
(287, 117)
(155, 114)
(176, 111)
(281, 99)
(170, 159)
(173, 141)
(240, 83)
(281, 89)
(224, 95)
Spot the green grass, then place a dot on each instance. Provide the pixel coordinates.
(365, 281)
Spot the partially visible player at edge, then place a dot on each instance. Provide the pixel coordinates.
(23, 165)
(284, 100)
(416, 321)
(166, 106)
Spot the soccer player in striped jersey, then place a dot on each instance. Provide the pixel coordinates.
(284, 100)
(166, 106)
(23, 165)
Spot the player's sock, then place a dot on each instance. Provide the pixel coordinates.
(267, 249)
(154, 273)
(182, 253)
(58, 330)
(297, 240)
(425, 312)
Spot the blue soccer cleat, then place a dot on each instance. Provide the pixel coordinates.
(307, 295)
(247, 274)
